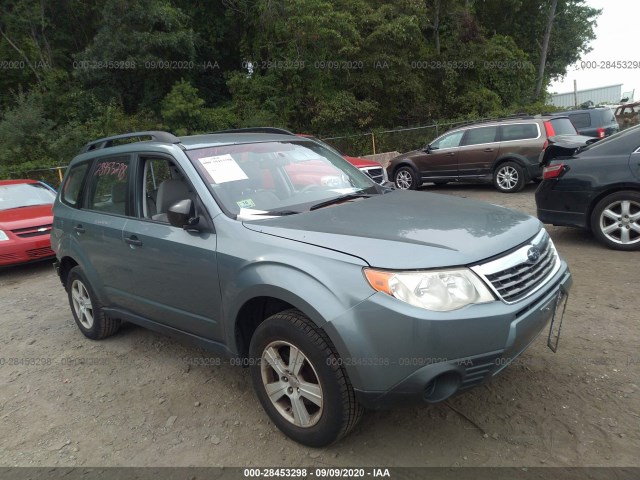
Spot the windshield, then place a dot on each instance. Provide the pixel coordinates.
(277, 177)
(25, 195)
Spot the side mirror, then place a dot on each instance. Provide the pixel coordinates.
(180, 215)
(428, 148)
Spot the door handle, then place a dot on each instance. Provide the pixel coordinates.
(133, 241)
(79, 228)
(488, 149)
(451, 154)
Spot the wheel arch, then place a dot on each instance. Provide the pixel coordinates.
(520, 160)
(257, 309)
(66, 264)
(265, 300)
(406, 162)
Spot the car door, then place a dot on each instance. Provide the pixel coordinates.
(170, 274)
(440, 158)
(97, 225)
(478, 150)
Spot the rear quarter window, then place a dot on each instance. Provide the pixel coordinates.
(72, 187)
(580, 120)
(563, 126)
(608, 116)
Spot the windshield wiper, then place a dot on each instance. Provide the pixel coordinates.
(339, 199)
(258, 214)
(281, 213)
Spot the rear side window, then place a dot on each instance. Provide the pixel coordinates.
(580, 120)
(519, 131)
(562, 126)
(70, 191)
(477, 136)
(108, 186)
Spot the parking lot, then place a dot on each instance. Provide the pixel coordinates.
(143, 399)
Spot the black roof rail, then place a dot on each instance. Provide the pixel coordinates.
(275, 130)
(157, 136)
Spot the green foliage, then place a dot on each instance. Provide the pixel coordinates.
(138, 52)
(329, 67)
(24, 135)
(524, 21)
(181, 109)
(342, 111)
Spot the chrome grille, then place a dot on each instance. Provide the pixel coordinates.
(519, 274)
(375, 173)
(33, 231)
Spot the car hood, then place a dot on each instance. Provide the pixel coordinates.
(410, 154)
(26, 217)
(361, 162)
(408, 230)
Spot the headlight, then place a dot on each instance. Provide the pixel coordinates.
(3, 236)
(437, 290)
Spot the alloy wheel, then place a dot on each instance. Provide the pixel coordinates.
(82, 304)
(291, 383)
(404, 180)
(507, 177)
(620, 222)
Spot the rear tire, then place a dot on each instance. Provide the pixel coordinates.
(509, 177)
(406, 178)
(300, 381)
(86, 309)
(615, 221)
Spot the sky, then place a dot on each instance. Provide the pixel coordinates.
(616, 40)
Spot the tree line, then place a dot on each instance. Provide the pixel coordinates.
(75, 70)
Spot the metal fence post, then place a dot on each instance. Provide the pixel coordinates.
(373, 142)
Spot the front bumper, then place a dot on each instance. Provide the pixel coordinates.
(24, 250)
(396, 353)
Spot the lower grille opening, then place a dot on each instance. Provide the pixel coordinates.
(442, 387)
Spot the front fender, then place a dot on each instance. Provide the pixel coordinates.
(321, 287)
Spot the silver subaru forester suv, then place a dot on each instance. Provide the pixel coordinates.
(337, 293)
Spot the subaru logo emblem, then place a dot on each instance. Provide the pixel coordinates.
(533, 255)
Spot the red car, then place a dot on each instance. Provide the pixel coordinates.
(25, 221)
(372, 169)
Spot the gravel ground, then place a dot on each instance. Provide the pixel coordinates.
(134, 399)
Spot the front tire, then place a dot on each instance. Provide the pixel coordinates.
(406, 178)
(615, 221)
(509, 177)
(86, 309)
(300, 380)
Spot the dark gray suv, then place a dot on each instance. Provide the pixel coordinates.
(338, 293)
(598, 122)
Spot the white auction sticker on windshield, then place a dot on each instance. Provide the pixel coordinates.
(223, 168)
